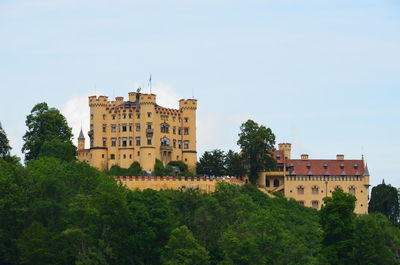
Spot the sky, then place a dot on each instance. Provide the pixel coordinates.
(323, 75)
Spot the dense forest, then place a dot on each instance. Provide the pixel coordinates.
(56, 210)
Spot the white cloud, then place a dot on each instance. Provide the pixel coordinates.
(76, 111)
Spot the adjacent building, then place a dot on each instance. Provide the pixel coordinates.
(308, 181)
(138, 129)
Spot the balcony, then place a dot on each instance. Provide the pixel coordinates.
(149, 131)
(166, 148)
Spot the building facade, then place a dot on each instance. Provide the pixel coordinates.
(309, 181)
(122, 132)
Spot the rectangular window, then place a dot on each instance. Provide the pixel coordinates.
(113, 117)
(104, 128)
(174, 130)
(149, 140)
(179, 131)
(113, 128)
(130, 116)
(186, 131)
(138, 115)
(130, 141)
(113, 141)
(138, 127)
(149, 125)
(137, 141)
(186, 119)
(124, 128)
(104, 141)
(179, 144)
(174, 143)
(130, 127)
(112, 156)
(185, 144)
(124, 142)
(149, 114)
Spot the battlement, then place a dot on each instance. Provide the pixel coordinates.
(205, 184)
(147, 99)
(188, 104)
(98, 101)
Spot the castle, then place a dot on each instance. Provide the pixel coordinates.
(308, 181)
(139, 130)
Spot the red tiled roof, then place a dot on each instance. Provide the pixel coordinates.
(322, 167)
(278, 156)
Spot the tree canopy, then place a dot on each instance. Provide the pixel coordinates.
(256, 143)
(384, 199)
(4, 143)
(46, 125)
(212, 163)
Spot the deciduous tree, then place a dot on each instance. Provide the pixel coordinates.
(44, 124)
(4, 143)
(212, 163)
(256, 142)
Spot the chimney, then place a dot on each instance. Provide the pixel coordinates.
(304, 157)
(339, 157)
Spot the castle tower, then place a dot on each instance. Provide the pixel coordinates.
(149, 132)
(98, 149)
(286, 148)
(81, 141)
(188, 137)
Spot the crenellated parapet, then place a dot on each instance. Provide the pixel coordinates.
(188, 104)
(205, 184)
(100, 101)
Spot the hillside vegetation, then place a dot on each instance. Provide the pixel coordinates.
(55, 212)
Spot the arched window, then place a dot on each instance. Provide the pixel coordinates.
(315, 189)
(267, 182)
(301, 202)
(300, 190)
(315, 204)
(352, 190)
(276, 182)
(164, 128)
(164, 141)
(338, 187)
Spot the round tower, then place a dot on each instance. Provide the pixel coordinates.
(188, 108)
(98, 152)
(148, 134)
(81, 141)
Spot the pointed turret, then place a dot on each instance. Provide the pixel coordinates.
(81, 140)
(81, 136)
(366, 171)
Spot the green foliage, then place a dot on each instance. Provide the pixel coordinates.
(60, 212)
(212, 163)
(256, 142)
(160, 170)
(384, 199)
(234, 164)
(44, 124)
(134, 170)
(183, 249)
(55, 148)
(337, 222)
(4, 143)
(183, 168)
(375, 241)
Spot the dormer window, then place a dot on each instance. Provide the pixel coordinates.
(325, 166)
(355, 166)
(342, 166)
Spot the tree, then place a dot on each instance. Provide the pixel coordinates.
(4, 144)
(375, 241)
(256, 143)
(212, 163)
(44, 124)
(134, 170)
(182, 248)
(55, 148)
(160, 170)
(384, 199)
(337, 222)
(234, 164)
